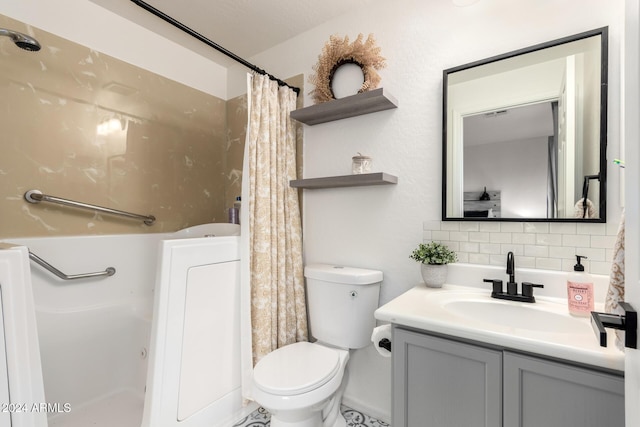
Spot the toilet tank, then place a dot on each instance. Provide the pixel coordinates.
(341, 301)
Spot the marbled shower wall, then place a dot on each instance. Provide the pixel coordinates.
(81, 125)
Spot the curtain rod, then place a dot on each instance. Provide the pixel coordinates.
(210, 43)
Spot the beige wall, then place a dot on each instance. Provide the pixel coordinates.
(175, 152)
(166, 156)
(236, 135)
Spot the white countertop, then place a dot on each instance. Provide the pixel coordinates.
(425, 309)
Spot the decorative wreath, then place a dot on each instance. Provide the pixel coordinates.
(337, 52)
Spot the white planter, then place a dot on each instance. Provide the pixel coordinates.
(434, 275)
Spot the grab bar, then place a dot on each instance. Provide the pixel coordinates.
(36, 196)
(110, 271)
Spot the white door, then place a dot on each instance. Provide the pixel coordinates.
(5, 418)
(632, 204)
(567, 106)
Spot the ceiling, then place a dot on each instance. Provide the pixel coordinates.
(533, 121)
(243, 27)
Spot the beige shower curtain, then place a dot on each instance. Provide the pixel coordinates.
(277, 296)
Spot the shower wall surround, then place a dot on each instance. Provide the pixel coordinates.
(85, 126)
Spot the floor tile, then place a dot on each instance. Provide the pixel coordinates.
(260, 418)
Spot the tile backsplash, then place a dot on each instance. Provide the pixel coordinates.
(540, 245)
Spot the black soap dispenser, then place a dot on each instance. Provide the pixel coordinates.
(485, 195)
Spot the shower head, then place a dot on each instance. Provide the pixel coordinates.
(23, 41)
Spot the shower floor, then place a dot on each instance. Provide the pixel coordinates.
(260, 418)
(121, 409)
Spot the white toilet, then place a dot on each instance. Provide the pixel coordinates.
(301, 384)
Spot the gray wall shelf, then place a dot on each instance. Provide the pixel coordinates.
(356, 180)
(350, 106)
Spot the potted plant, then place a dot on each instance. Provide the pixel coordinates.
(433, 258)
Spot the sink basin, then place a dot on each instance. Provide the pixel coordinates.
(514, 315)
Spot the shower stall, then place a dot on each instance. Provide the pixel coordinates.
(155, 341)
(155, 344)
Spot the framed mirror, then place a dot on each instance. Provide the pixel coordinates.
(525, 134)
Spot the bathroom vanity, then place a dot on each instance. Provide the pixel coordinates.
(461, 358)
(442, 381)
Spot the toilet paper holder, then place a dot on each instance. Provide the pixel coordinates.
(385, 343)
(381, 340)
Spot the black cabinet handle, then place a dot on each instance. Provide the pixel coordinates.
(628, 322)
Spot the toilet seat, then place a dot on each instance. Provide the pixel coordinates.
(296, 368)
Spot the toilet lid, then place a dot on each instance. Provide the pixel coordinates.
(296, 368)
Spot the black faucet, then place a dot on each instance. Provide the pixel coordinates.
(512, 285)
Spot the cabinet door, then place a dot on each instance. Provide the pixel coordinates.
(439, 382)
(539, 393)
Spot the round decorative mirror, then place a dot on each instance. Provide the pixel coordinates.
(346, 79)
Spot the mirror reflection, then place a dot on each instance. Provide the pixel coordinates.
(525, 134)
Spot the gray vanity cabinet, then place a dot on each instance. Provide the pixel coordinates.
(442, 382)
(539, 392)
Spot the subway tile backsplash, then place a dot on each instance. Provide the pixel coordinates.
(546, 246)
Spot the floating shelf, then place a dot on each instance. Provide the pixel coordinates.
(356, 180)
(350, 106)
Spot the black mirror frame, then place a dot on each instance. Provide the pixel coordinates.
(604, 53)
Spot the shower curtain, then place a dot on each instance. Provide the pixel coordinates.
(273, 293)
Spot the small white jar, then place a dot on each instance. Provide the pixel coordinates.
(360, 164)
